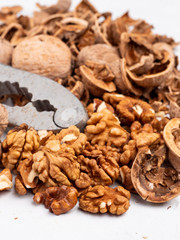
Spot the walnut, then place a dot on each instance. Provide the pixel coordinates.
(105, 199)
(44, 55)
(6, 51)
(99, 165)
(97, 78)
(20, 143)
(5, 179)
(129, 152)
(152, 176)
(19, 185)
(101, 54)
(144, 135)
(125, 178)
(97, 106)
(172, 140)
(113, 98)
(130, 109)
(58, 199)
(72, 137)
(28, 175)
(103, 128)
(12, 146)
(56, 164)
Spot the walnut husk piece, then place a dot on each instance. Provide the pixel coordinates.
(171, 136)
(152, 176)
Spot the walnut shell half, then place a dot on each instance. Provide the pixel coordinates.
(171, 136)
(152, 176)
(44, 55)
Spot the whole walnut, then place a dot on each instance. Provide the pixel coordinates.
(5, 51)
(44, 55)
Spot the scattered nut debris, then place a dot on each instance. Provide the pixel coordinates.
(126, 77)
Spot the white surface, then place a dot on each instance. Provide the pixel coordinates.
(143, 220)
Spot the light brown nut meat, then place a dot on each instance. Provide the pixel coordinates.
(130, 109)
(152, 176)
(105, 199)
(20, 143)
(99, 165)
(97, 106)
(5, 51)
(144, 135)
(172, 139)
(125, 178)
(44, 55)
(92, 170)
(13, 145)
(129, 152)
(103, 128)
(19, 186)
(5, 180)
(28, 175)
(58, 199)
(56, 165)
(72, 137)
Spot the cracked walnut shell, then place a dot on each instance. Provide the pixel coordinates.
(43, 54)
(97, 78)
(104, 199)
(171, 136)
(103, 128)
(154, 179)
(5, 179)
(58, 199)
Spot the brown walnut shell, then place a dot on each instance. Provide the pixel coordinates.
(171, 136)
(152, 176)
(44, 55)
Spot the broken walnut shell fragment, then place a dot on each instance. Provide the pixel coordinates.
(96, 86)
(171, 136)
(60, 7)
(43, 54)
(152, 176)
(159, 74)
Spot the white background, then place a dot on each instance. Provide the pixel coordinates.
(20, 218)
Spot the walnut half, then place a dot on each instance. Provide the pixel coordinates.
(58, 199)
(105, 199)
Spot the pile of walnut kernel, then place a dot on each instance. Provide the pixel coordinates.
(126, 77)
